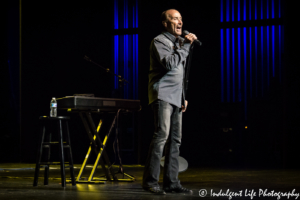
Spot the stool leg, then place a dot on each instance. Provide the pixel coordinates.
(70, 156)
(62, 158)
(39, 156)
(46, 175)
(46, 172)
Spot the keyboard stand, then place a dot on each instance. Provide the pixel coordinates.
(102, 157)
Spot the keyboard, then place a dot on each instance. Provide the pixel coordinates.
(95, 103)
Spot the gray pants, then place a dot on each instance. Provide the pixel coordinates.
(167, 133)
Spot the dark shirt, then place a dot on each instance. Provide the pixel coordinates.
(167, 62)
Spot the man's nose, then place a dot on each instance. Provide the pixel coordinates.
(180, 22)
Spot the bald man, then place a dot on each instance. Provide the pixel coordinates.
(168, 55)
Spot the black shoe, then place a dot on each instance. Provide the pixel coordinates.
(155, 190)
(179, 189)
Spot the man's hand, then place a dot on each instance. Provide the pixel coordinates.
(190, 38)
(184, 107)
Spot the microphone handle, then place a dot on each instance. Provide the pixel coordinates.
(185, 32)
(198, 42)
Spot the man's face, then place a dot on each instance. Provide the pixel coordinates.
(174, 23)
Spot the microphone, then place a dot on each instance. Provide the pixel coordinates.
(185, 32)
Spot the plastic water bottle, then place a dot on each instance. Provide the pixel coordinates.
(53, 107)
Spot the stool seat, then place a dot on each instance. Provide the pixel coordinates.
(46, 123)
(54, 118)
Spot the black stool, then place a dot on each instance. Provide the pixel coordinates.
(49, 122)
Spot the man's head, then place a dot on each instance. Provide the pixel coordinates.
(172, 22)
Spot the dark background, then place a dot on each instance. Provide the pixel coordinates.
(55, 37)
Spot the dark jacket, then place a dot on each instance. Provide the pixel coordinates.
(167, 64)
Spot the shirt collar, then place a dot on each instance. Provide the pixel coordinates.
(171, 36)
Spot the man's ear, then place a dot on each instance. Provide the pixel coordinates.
(164, 23)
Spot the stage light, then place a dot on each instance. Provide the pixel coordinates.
(126, 47)
(250, 53)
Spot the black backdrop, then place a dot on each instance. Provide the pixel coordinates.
(55, 37)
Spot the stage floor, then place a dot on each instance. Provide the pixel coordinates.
(16, 183)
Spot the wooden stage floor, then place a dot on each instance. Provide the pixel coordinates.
(16, 183)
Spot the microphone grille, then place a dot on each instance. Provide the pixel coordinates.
(185, 32)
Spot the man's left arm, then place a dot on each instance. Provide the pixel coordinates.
(188, 39)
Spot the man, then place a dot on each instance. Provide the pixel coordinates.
(168, 54)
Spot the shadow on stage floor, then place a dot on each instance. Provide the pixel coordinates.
(16, 183)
